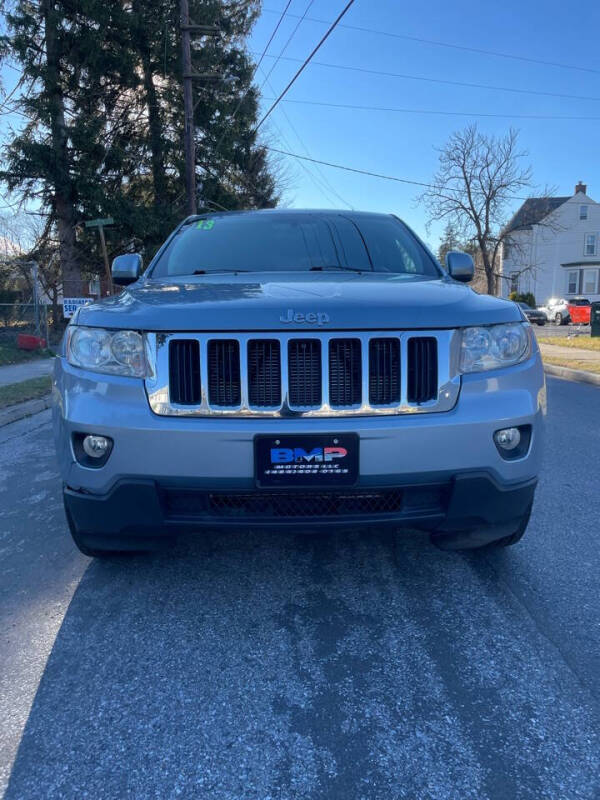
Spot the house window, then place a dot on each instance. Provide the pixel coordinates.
(590, 281)
(583, 212)
(506, 249)
(590, 244)
(572, 281)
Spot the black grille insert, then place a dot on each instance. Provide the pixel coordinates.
(264, 373)
(345, 372)
(304, 372)
(410, 501)
(384, 371)
(422, 369)
(224, 387)
(184, 372)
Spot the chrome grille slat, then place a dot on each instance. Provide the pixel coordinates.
(297, 374)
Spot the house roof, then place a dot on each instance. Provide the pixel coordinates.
(533, 210)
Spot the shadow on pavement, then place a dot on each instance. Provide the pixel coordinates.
(282, 666)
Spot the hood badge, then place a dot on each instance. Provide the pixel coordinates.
(311, 317)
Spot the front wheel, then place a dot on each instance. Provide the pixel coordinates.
(558, 319)
(541, 322)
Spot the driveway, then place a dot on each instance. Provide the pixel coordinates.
(242, 666)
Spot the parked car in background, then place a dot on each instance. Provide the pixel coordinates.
(534, 315)
(556, 311)
(579, 310)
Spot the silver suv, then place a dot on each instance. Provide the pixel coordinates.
(306, 369)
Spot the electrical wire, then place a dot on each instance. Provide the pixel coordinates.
(320, 177)
(322, 41)
(354, 107)
(285, 46)
(451, 45)
(444, 81)
(368, 172)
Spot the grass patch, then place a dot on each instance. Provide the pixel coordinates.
(573, 363)
(580, 342)
(25, 390)
(10, 354)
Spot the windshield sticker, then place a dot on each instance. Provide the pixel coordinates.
(205, 224)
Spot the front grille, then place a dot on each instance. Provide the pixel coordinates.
(224, 385)
(316, 374)
(184, 371)
(345, 373)
(264, 373)
(304, 372)
(193, 504)
(384, 371)
(422, 369)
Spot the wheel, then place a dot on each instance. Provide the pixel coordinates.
(558, 319)
(490, 536)
(541, 322)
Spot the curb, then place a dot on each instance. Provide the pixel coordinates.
(22, 410)
(571, 374)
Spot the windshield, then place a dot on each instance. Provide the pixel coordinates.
(294, 242)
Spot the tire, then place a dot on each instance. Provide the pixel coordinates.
(541, 322)
(558, 319)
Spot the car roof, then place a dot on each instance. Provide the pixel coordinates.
(321, 212)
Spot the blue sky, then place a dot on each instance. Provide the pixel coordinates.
(561, 152)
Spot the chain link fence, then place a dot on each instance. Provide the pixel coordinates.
(26, 326)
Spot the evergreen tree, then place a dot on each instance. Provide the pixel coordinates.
(101, 93)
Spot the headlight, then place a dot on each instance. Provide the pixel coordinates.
(494, 346)
(114, 352)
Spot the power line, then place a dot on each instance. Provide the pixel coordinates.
(286, 45)
(254, 71)
(444, 81)
(307, 61)
(368, 172)
(354, 107)
(451, 45)
(319, 178)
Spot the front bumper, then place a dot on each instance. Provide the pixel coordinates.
(155, 456)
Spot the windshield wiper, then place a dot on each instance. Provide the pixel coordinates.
(339, 266)
(217, 271)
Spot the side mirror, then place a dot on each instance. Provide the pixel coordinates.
(460, 266)
(126, 268)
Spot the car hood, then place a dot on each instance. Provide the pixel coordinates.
(272, 302)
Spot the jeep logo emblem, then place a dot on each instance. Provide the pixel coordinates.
(311, 317)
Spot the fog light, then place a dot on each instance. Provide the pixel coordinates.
(96, 446)
(508, 438)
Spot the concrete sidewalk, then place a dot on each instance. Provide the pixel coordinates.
(15, 373)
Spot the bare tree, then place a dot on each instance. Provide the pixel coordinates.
(477, 178)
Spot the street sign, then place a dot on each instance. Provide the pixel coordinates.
(99, 223)
(71, 304)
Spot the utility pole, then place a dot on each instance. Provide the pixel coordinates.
(100, 224)
(187, 29)
(188, 110)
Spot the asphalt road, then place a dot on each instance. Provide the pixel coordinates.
(282, 666)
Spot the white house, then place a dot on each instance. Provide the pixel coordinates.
(553, 248)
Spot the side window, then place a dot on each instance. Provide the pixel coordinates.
(583, 212)
(590, 281)
(589, 244)
(572, 281)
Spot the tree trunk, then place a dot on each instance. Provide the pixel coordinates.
(63, 188)
(155, 126)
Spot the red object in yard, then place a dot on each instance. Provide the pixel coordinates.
(27, 342)
(579, 310)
